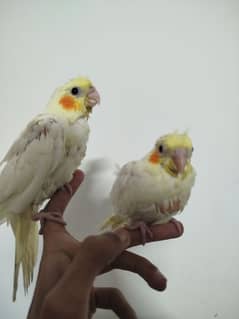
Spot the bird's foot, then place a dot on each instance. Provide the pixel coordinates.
(177, 225)
(144, 229)
(68, 188)
(51, 216)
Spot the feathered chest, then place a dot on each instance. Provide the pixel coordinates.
(141, 187)
(166, 187)
(76, 137)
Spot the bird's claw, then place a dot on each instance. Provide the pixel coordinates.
(177, 225)
(50, 216)
(173, 207)
(68, 188)
(144, 229)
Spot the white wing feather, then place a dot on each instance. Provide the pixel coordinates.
(34, 155)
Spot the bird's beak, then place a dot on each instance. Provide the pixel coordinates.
(92, 98)
(179, 159)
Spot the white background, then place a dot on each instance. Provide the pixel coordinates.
(160, 66)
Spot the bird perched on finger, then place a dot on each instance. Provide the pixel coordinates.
(155, 188)
(42, 160)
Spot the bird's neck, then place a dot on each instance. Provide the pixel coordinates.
(69, 115)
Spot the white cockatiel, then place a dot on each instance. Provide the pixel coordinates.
(155, 188)
(40, 161)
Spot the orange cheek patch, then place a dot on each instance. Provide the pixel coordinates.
(154, 158)
(67, 102)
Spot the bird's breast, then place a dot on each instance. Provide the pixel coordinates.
(76, 138)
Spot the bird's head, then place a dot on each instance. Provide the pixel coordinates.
(75, 99)
(173, 152)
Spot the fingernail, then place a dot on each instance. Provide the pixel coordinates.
(123, 236)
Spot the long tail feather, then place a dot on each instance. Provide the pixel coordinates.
(26, 246)
(113, 222)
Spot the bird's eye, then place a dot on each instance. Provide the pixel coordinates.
(75, 91)
(160, 148)
(192, 149)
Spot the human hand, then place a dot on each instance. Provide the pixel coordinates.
(68, 268)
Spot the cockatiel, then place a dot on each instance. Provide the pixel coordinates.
(155, 188)
(41, 161)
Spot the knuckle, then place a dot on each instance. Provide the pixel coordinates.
(101, 249)
(90, 249)
(112, 237)
(89, 240)
(105, 238)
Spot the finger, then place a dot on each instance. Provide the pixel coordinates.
(99, 251)
(160, 232)
(143, 267)
(113, 299)
(94, 253)
(61, 198)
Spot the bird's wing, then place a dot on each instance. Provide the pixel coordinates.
(134, 188)
(33, 156)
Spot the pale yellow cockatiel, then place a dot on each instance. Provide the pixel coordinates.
(40, 161)
(155, 188)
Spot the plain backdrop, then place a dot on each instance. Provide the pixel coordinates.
(159, 66)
